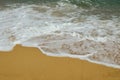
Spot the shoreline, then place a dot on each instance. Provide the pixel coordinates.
(28, 63)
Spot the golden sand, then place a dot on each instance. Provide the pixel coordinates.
(25, 63)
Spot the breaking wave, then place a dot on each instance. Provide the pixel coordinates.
(63, 29)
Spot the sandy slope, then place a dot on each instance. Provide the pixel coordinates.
(25, 63)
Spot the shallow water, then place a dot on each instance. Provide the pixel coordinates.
(64, 28)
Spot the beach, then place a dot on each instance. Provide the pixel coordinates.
(59, 40)
(28, 63)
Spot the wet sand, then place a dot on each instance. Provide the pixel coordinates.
(26, 63)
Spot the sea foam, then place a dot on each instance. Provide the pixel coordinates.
(62, 30)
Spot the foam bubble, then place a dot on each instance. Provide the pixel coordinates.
(62, 30)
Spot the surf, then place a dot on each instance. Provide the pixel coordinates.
(63, 29)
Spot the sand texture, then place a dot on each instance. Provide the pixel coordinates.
(27, 63)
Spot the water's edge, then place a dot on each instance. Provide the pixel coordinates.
(63, 29)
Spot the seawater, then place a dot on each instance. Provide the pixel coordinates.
(84, 29)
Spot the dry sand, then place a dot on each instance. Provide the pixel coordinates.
(25, 63)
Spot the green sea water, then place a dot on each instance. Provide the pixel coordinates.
(110, 3)
(103, 6)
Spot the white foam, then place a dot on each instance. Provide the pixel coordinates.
(62, 31)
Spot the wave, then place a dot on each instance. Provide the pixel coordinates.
(62, 30)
